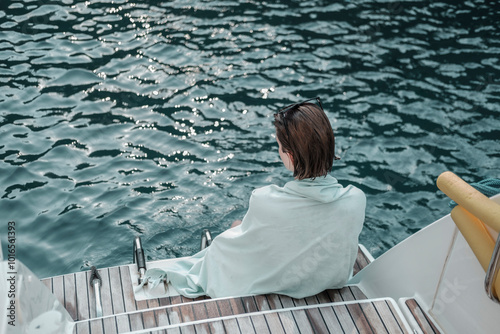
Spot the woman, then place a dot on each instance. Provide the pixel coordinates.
(296, 240)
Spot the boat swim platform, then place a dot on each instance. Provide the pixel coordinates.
(345, 310)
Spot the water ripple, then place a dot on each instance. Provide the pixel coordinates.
(120, 119)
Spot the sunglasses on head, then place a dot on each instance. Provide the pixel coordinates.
(293, 105)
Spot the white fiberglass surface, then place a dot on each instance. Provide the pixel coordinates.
(437, 267)
(413, 267)
(460, 304)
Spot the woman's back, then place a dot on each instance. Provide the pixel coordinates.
(297, 240)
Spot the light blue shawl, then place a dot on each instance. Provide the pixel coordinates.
(296, 240)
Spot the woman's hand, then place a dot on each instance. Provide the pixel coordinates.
(235, 223)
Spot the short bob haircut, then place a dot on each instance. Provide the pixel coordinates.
(311, 142)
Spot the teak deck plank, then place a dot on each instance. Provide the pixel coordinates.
(96, 326)
(327, 313)
(394, 312)
(116, 290)
(359, 318)
(212, 309)
(425, 324)
(288, 323)
(224, 307)
(360, 263)
(107, 304)
(202, 328)
(163, 318)
(82, 296)
(237, 305)
(151, 318)
(303, 321)
(58, 288)
(342, 313)
(174, 315)
(245, 325)
(387, 317)
(345, 319)
(82, 299)
(373, 318)
(299, 316)
(188, 329)
(273, 301)
(200, 312)
(286, 302)
(173, 331)
(135, 320)
(260, 324)
(335, 295)
(231, 326)
(323, 297)
(70, 295)
(262, 303)
(331, 320)
(299, 302)
(188, 312)
(216, 327)
(356, 312)
(117, 297)
(274, 323)
(356, 268)
(372, 315)
(315, 316)
(250, 304)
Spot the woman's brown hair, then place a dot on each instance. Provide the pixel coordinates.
(305, 132)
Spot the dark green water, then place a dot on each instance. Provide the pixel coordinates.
(121, 118)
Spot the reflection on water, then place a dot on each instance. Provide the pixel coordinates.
(120, 118)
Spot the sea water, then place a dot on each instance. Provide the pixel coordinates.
(154, 119)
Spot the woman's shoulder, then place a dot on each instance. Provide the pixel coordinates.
(324, 189)
(357, 193)
(267, 190)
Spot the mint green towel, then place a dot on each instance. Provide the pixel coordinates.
(296, 240)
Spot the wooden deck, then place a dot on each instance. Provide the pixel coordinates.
(426, 324)
(266, 313)
(217, 316)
